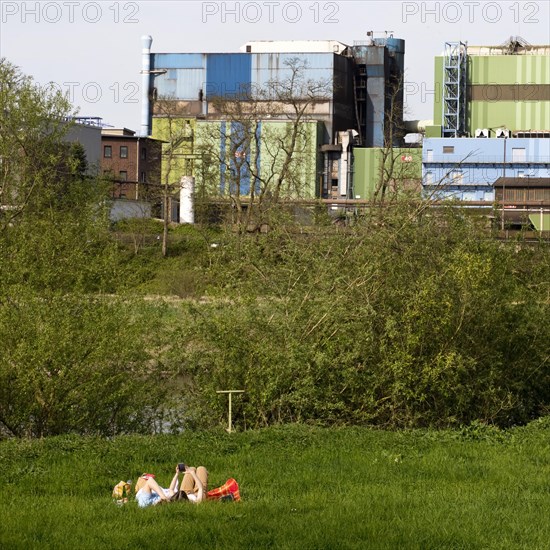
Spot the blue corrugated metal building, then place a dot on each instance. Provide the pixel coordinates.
(467, 168)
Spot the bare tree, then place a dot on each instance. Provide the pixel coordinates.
(393, 170)
(266, 135)
(176, 132)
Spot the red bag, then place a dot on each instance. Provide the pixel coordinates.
(228, 491)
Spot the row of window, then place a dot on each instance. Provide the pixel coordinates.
(458, 177)
(123, 152)
(518, 153)
(123, 175)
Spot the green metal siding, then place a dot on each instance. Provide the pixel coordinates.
(367, 165)
(199, 155)
(509, 69)
(541, 222)
(305, 162)
(515, 115)
(174, 161)
(492, 71)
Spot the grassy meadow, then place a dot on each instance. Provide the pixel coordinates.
(302, 487)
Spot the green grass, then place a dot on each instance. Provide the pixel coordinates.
(302, 487)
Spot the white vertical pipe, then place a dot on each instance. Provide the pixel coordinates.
(146, 42)
(187, 207)
(344, 172)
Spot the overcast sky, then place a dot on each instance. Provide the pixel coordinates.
(92, 50)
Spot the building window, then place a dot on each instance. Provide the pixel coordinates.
(143, 153)
(448, 149)
(123, 175)
(107, 151)
(429, 178)
(123, 152)
(143, 177)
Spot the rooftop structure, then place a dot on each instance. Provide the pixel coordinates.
(293, 46)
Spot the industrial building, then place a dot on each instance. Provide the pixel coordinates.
(467, 168)
(324, 97)
(132, 162)
(87, 132)
(492, 91)
(491, 119)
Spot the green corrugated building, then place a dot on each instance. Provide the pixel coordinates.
(504, 87)
(400, 167)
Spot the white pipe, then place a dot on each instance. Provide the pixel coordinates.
(146, 42)
(344, 159)
(417, 126)
(187, 207)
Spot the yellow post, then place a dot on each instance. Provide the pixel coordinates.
(229, 428)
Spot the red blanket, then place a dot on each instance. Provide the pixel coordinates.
(229, 489)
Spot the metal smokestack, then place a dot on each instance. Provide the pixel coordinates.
(146, 42)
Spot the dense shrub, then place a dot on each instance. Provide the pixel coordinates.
(77, 364)
(400, 321)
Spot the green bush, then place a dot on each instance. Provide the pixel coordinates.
(400, 321)
(77, 364)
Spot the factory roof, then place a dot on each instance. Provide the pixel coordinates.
(292, 46)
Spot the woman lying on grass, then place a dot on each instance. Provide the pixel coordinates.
(193, 487)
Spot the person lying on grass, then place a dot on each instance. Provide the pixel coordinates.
(193, 487)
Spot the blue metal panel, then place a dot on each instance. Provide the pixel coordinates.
(227, 74)
(181, 83)
(239, 165)
(480, 162)
(396, 45)
(165, 87)
(177, 60)
(274, 67)
(189, 83)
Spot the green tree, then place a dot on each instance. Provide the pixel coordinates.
(77, 364)
(33, 122)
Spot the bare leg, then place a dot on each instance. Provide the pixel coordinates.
(152, 485)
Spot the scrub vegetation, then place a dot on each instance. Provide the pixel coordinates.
(404, 317)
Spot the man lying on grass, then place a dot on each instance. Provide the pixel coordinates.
(193, 487)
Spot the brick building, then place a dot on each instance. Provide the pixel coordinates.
(132, 162)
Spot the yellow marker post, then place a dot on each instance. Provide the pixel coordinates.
(230, 392)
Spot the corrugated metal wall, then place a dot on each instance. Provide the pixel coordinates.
(185, 75)
(227, 74)
(268, 67)
(177, 60)
(497, 76)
